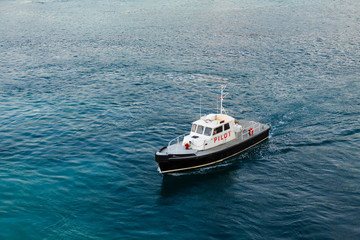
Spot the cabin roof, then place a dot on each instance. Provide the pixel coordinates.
(213, 120)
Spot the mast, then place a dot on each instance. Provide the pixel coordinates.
(222, 98)
(200, 105)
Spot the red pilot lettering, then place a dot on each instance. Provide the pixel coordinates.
(222, 137)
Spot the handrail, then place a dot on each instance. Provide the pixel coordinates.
(177, 139)
(256, 126)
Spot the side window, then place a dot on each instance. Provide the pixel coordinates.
(193, 128)
(208, 131)
(226, 126)
(200, 129)
(218, 130)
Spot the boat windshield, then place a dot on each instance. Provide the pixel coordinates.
(200, 129)
(207, 131)
(193, 128)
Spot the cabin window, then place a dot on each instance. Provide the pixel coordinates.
(193, 128)
(218, 130)
(200, 129)
(226, 126)
(207, 131)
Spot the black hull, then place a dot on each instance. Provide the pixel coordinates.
(180, 163)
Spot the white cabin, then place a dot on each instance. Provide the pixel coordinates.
(210, 131)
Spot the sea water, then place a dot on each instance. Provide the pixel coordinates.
(90, 90)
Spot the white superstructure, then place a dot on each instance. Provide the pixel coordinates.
(210, 131)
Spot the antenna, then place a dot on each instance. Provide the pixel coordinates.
(200, 105)
(222, 98)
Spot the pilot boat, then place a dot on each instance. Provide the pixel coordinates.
(212, 139)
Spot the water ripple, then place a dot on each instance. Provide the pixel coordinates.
(89, 91)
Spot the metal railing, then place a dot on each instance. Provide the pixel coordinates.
(255, 127)
(177, 140)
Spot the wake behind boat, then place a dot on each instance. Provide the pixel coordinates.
(212, 139)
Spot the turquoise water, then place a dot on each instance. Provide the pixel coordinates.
(90, 90)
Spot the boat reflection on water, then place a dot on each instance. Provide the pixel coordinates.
(189, 182)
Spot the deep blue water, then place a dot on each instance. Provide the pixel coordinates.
(90, 90)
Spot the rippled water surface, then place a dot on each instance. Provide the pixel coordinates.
(90, 90)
